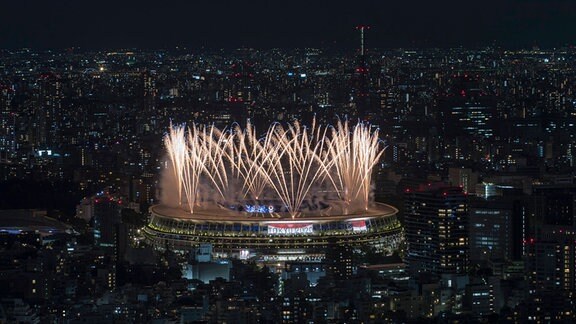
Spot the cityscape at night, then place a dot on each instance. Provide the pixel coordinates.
(304, 163)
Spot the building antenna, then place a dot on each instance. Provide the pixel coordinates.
(361, 28)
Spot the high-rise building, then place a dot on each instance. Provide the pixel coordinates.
(436, 224)
(7, 124)
(553, 261)
(467, 120)
(48, 112)
(467, 110)
(238, 94)
(497, 228)
(361, 90)
(339, 261)
(106, 214)
(148, 93)
(554, 205)
(464, 178)
(552, 246)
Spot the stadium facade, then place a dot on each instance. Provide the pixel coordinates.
(240, 234)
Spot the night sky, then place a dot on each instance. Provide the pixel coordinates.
(262, 24)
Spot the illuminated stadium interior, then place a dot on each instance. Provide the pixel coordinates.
(290, 191)
(230, 234)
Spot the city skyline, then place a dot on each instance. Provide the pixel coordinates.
(469, 215)
(262, 24)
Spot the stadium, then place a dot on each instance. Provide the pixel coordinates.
(287, 194)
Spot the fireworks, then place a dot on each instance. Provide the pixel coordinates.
(289, 164)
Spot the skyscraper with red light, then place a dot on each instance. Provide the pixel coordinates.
(239, 92)
(436, 224)
(360, 95)
(467, 120)
(106, 214)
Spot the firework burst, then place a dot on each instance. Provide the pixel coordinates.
(289, 162)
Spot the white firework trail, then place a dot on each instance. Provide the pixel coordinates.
(296, 165)
(194, 166)
(355, 154)
(216, 146)
(175, 142)
(247, 160)
(289, 161)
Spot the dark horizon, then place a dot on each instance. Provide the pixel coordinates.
(297, 24)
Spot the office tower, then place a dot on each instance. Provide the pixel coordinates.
(466, 110)
(486, 190)
(464, 178)
(339, 260)
(554, 206)
(436, 224)
(147, 119)
(7, 124)
(360, 94)
(107, 214)
(48, 112)
(496, 228)
(239, 94)
(467, 121)
(552, 245)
